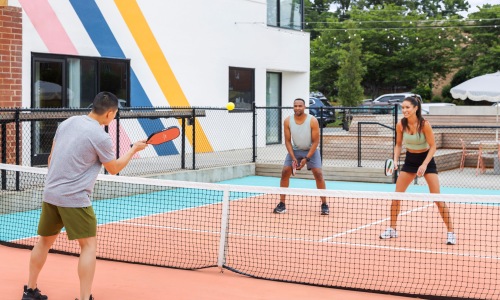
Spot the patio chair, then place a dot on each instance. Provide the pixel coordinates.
(465, 153)
(486, 150)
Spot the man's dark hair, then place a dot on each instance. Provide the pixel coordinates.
(300, 99)
(103, 102)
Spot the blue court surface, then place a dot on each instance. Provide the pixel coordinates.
(353, 186)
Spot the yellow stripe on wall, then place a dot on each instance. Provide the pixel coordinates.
(159, 66)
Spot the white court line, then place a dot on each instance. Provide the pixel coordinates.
(374, 223)
(404, 249)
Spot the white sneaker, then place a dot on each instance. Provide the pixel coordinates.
(389, 233)
(451, 239)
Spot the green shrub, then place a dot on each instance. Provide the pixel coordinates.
(424, 91)
(437, 99)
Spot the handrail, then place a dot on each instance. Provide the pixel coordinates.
(41, 115)
(359, 138)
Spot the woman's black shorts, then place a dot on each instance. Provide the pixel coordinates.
(414, 160)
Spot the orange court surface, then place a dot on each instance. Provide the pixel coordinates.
(124, 281)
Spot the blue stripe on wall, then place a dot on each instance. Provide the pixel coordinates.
(107, 45)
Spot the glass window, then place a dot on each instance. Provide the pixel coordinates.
(82, 82)
(290, 14)
(241, 87)
(384, 99)
(81, 77)
(273, 111)
(285, 13)
(61, 81)
(272, 12)
(113, 78)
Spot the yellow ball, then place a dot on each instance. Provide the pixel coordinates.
(230, 106)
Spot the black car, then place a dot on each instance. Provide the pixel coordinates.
(325, 113)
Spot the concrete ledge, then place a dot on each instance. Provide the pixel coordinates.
(211, 174)
(375, 175)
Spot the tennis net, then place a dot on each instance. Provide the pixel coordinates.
(198, 225)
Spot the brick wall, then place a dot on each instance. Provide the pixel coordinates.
(10, 68)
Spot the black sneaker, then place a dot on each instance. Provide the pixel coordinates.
(280, 208)
(324, 209)
(33, 294)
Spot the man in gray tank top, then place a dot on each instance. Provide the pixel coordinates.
(301, 141)
(79, 150)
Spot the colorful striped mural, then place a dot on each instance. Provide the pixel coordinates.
(58, 40)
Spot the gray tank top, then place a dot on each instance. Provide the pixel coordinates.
(301, 134)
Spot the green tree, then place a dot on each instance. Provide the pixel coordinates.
(316, 14)
(351, 72)
(481, 54)
(401, 50)
(429, 8)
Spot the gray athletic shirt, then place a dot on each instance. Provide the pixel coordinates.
(81, 146)
(301, 134)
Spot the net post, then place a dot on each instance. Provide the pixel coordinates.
(223, 229)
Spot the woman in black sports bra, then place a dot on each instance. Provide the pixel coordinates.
(417, 135)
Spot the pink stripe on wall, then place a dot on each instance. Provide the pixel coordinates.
(125, 141)
(48, 26)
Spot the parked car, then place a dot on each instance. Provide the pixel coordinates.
(318, 95)
(324, 113)
(427, 106)
(383, 104)
(391, 98)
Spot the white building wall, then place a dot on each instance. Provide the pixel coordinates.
(200, 40)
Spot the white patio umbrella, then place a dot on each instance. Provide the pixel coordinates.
(484, 87)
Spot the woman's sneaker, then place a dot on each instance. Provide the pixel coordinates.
(33, 294)
(451, 239)
(389, 233)
(325, 210)
(280, 208)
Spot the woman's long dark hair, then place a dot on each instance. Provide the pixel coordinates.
(415, 101)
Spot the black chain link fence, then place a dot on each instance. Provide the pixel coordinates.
(350, 138)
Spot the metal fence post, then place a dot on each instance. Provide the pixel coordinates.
(193, 116)
(321, 132)
(254, 132)
(395, 113)
(183, 144)
(118, 133)
(17, 146)
(359, 144)
(4, 155)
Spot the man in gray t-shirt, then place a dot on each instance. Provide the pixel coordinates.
(79, 150)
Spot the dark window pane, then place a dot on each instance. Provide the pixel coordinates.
(241, 87)
(113, 78)
(89, 81)
(48, 84)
